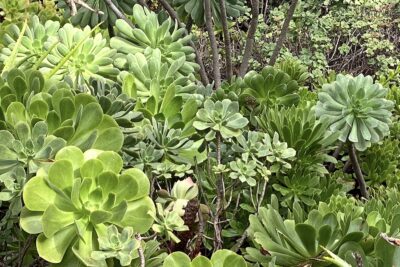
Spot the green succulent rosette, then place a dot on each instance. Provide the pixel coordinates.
(71, 205)
(357, 108)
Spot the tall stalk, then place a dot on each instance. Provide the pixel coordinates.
(248, 50)
(213, 43)
(227, 40)
(282, 36)
(357, 170)
(220, 197)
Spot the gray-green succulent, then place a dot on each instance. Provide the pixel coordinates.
(115, 244)
(221, 117)
(357, 108)
(151, 33)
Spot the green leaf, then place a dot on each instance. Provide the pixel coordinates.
(53, 249)
(61, 174)
(137, 215)
(177, 259)
(73, 154)
(55, 220)
(31, 221)
(109, 140)
(308, 237)
(37, 194)
(91, 168)
(201, 261)
(227, 258)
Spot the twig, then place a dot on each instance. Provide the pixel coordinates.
(199, 237)
(199, 60)
(25, 250)
(227, 40)
(240, 241)
(357, 170)
(262, 195)
(140, 251)
(248, 50)
(282, 36)
(265, 11)
(73, 3)
(118, 12)
(213, 43)
(73, 7)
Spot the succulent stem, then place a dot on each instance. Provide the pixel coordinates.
(357, 170)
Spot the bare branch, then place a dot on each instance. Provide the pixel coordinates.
(282, 36)
(140, 251)
(118, 12)
(250, 38)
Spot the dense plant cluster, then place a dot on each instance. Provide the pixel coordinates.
(126, 140)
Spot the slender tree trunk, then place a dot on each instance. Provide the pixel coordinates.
(282, 36)
(227, 40)
(250, 38)
(213, 43)
(199, 60)
(357, 170)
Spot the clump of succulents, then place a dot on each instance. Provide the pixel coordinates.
(71, 205)
(79, 57)
(357, 108)
(150, 33)
(36, 41)
(151, 77)
(271, 87)
(302, 240)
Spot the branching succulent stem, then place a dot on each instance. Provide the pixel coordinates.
(118, 12)
(260, 200)
(240, 241)
(248, 50)
(213, 43)
(140, 251)
(357, 170)
(227, 40)
(336, 155)
(220, 196)
(282, 35)
(25, 250)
